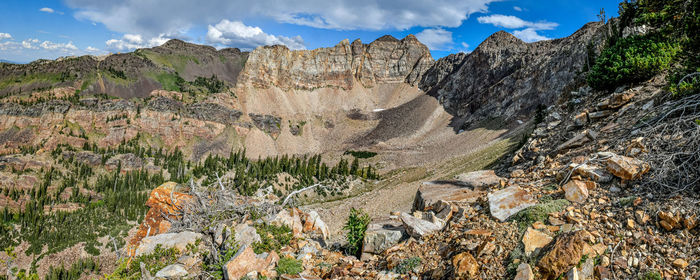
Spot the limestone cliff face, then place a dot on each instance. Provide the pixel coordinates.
(507, 78)
(386, 60)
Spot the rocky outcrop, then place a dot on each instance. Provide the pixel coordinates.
(507, 78)
(165, 201)
(386, 60)
(245, 261)
(509, 201)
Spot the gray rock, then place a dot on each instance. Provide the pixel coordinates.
(246, 235)
(417, 227)
(178, 240)
(381, 235)
(172, 271)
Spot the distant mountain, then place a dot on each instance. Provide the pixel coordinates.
(7, 61)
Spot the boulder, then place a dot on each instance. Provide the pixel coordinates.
(245, 261)
(565, 253)
(173, 271)
(465, 265)
(524, 272)
(178, 241)
(430, 193)
(509, 201)
(481, 179)
(534, 239)
(313, 223)
(626, 168)
(164, 201)
(381, 235)
(418, 227)
(246, 235)
(576, 191)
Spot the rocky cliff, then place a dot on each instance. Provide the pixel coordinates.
(386, 60)
(507, 78)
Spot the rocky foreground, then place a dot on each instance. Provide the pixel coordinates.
(572, 203)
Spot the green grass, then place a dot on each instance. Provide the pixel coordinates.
(153, 262)
(176, 62)
(169, 81)
(407, 265)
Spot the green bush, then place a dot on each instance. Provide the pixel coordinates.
(631, 59)
(289, 265)
(356, 226)
(153, 262)
(407, 265)
(539, 212)
(272, 238)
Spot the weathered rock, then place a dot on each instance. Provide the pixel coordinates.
(576, 191)
(245, 261)
(164, 201)
(301, 222)
(572, 274)
(524, 272)
(578, 141)
(669, 221)
(301, 276)
(178, 241)
(508, 70)
(417, 227)
(381, 235)
(465, 265)
(430, 193)
(172, 271)
(385, 60)
(566, 252)
(593, 172)
(246, 235)
(534, 239)
(680, 263)
(690, 221)
(481, 179)
(627, 168)
(506, 202)
(581, 119)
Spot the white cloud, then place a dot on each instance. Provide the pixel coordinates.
(135, 41)
(237, 34)
(154, 17)
(517, 8)
(30, 43)
(529, 35)
(465, 48)
(54, 46)
(4, 36)
(50, 11)
(435, 38)
(92, 49)
(513, 22)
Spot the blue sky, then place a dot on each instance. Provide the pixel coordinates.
(33, 29)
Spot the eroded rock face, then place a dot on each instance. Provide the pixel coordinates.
(505, 77)
(165, 201)
(386, 60)
(430, 193)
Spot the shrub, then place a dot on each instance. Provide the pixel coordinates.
(289, 265)
(356, 226)
(407, 265)
(538, 212)
(272, 238)
(631, 59)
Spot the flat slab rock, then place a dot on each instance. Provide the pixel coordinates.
(481, 179)
(430, 193)
(178, 240)
(509, 201)
(417, 227)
